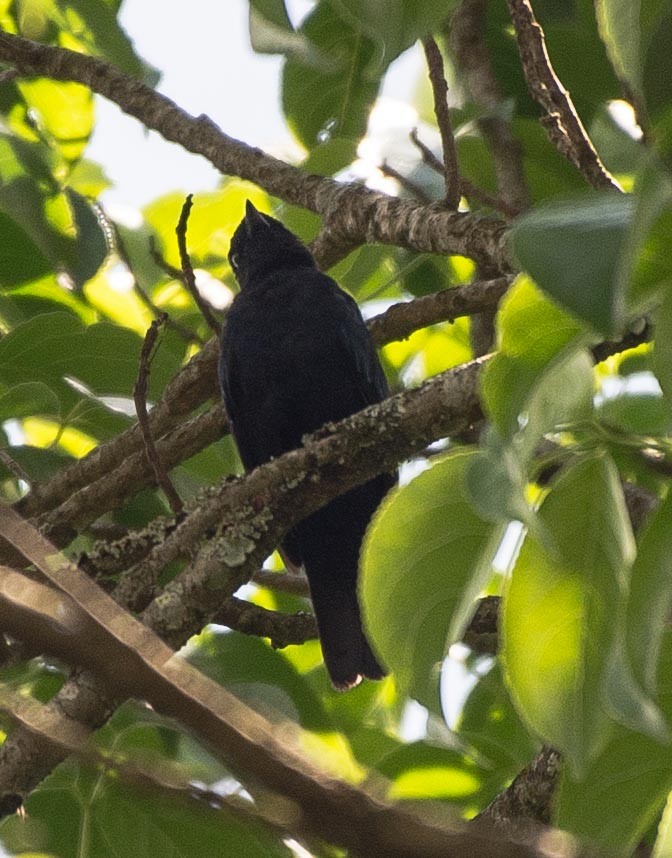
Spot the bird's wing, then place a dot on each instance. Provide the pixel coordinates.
(360, 353)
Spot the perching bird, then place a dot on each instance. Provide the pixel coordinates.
(296, 354)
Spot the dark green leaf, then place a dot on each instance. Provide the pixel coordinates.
(571, 248)
(625, 787)
(636, 412)
(82, 812)
(396, 24)
(103, 36)
(491, 725)
(335, 102)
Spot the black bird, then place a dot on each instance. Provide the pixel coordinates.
(296, 354)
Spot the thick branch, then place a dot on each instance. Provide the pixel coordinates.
(76, 626)
(468, 42)
(351, 211)
(401, 320)
(254, 512)
(562, 122)
(117, 470)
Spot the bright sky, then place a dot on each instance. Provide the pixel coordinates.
(203, 50)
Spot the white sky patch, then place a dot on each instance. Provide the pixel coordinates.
(458, 681)
(120, 278)
(624, 116)
(216, 293)
(413, 725)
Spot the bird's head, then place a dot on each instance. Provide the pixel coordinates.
(261, 245)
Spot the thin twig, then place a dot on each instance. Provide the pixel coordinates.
(440, 91)
(405, 182)
(140, 399)
(467, 188)
(188, 271)
(562, 122)
(8, 75)
(118, 246)
(427, 155)
(285, 582)
(471, 191)
(282, 629)
(173, 272)
(14, 467)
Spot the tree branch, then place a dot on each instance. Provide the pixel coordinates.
(401, 320)
(282, 629)
(75, 624)
(117, 470)
(252, 514)
(437, 79)
(562, 122)
(140, 399)
(351, 211)
(468, 42)
(188, 277)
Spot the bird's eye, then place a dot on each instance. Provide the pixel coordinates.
(234, 261)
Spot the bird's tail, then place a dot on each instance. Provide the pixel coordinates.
(347, 653)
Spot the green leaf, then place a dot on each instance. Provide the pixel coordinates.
(271, 32)
(265, 680)
(636, 412)
(619, 26)
(425, 771)
(662, 348)
(52, 346)
(28, 399)
(572, 248)
(637, 37)
(62, 111)
(58, 227)
(91, 240)
(532, 333)
(329, 157)
(88, 178)
(645, 262)
(650, 596)
(426, 558)
(396, 24)
(95, 25)
(624, 789)
(82, 812)
(331, 102)
(663, 844)
(492, 727)
(560, 606)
